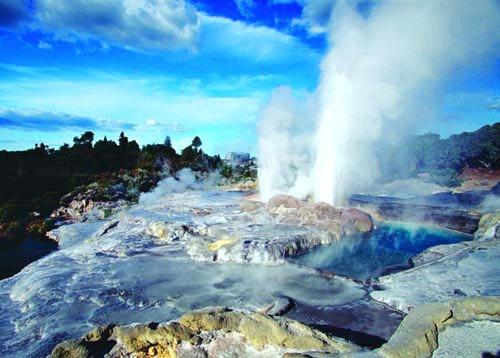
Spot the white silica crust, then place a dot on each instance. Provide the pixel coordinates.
(466, 269)
(69, 235)
(127, 270)
(471, 339)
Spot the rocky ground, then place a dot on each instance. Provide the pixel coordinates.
(208, 333)
(459, 211)
(138, 265)
(269, 233)
(470, 180)
(448, 271)
(163, 260)
(100, 199)
(222, 332)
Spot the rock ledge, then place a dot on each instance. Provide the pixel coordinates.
(208, 333)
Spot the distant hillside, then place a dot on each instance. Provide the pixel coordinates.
(442, 158)
(479, 149)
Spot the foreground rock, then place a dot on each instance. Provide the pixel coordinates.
(443, 273)
(417, 336)
(489, 226)
(455, 341)
(208, 333)
(222, 332)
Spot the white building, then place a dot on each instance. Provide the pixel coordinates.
(235, 158)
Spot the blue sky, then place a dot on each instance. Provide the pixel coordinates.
(175, 67)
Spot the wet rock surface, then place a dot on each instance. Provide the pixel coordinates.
(458, 215)
(155, 263)
(279, 307)
(135, 267)
(443, 273)
(397, 209)
(459, 211)
(364, 322)
(283, 228)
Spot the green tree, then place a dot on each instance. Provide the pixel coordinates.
(188, 155)
(85, 139)
(196, 142)
(122, 140)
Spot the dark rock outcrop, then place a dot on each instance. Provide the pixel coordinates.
(397, 209)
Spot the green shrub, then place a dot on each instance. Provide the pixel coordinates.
(226, 171)
(11, 212)
(445, 177)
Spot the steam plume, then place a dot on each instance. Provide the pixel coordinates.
(284, 144)
(380, 76)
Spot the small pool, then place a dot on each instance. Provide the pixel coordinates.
(388, 248)
(14, 256)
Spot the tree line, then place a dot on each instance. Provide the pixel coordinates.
(443, 158)
(34, 180)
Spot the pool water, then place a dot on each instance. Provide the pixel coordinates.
(15, 256)
(387, 249)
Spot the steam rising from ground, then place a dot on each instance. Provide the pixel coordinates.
(380, 77)
(184, 180)
(284, 140)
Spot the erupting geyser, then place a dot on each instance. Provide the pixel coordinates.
(380, 79)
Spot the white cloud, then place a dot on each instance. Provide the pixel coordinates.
(245, 7)
(315, 14)
(257, 59)
(158, 25)
(137, 24)
(152, 122)
(121, 99)
(42, 45)
(164, 125)
(124, 98)
(44, 121)
(26, 70)
(257, 44)
(494, 104)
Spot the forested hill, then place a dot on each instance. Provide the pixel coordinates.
(469, 149)
(34, 180)
(443, 158)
